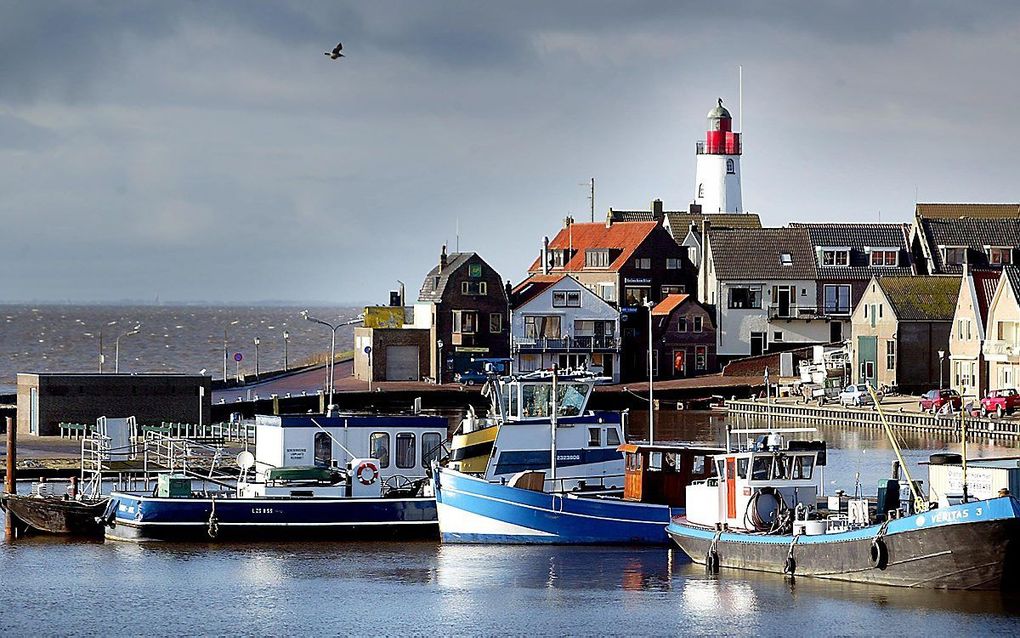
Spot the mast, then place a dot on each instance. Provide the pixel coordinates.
(552, 427)
(963, 441)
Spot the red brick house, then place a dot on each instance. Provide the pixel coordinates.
(683, 333)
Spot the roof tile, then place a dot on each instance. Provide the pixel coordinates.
(757, 253)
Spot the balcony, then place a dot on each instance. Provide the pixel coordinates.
(999, 350)
(719, 149)
(593, 343)
(794, 312)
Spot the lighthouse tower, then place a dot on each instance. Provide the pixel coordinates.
(717, 188)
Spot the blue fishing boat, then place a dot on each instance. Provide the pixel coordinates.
(337, 477)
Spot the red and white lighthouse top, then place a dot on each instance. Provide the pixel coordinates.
(720, 139)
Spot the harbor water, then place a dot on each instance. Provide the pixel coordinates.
(64, 587)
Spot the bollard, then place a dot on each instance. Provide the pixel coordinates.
(10, 523)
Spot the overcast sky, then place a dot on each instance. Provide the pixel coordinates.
(209, 151)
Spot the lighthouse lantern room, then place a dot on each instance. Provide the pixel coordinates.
(718, 175)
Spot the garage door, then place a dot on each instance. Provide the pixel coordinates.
(402, 363)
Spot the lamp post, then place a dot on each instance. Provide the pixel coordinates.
(116, 349)
(102, 357)
(286, 354)
(942, 356)
(256, 341)
(439, 365)
(651, 396)
(332, 350)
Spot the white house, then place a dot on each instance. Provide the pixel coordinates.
(556, 319)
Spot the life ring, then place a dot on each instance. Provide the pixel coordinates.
(367, 472)
(879, 554)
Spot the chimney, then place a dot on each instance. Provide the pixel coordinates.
(609, 217)
(442, 259)
(706, 226)
(657, 209)
(545, 255)
(694, 209)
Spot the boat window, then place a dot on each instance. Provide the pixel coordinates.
(431, 448)
(720, 468)
(760, 468)
(633, 461)
(594, 437)
(697, 465)
(514, 402)
(781, 467)
(672, 461)
(803, 466)
(655, 461)
(323, 447)
(379, 443)
(536, 399)
(405, 450)
(612, 437)
(742, 467)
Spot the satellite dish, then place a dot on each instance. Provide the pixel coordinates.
(245, 460)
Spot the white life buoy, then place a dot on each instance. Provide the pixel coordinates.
(367, 472)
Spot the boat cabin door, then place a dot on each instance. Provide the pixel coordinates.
(731, 487)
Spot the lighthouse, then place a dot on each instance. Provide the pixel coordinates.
(717, 187)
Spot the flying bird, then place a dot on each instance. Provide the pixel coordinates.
(335, 53)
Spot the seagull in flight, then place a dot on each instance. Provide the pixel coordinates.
(335, 53)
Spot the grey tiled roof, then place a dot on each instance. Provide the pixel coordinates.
(974, 233)
(922, 298)
(859, 237)
(434, 286)
(631, 215)
(755, 253)
(1013, 278)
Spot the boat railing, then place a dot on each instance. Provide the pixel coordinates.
(165, 453)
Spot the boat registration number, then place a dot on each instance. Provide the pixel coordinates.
(263, 510)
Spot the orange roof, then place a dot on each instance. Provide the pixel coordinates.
(532, 286)
(622, 236)
(668, 304)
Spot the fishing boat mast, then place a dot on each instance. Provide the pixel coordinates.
(919, 503)
(552, 427)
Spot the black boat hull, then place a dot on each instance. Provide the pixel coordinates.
(52, 515)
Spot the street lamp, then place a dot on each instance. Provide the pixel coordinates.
(439, 365)
(256, 341)
(233, 323)
(286, 356)
(116, 349)
(651, 397)
(942, 356)
(332, 350)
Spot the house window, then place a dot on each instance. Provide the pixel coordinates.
(608, 292)
(786, 259)
(643, 263)
(954, 255)
(405, 450)
(777, 335)
(567, 299)
(698, 323)
(529, 363)
(836, 257)
(681, 324)
(495, 323)
(539, 326)
(474, 288)
(596, 258)
(465, 321)
(884, 257)
(672, 290)
(379, 444)
(673, 264)
(999, 255)
(963, 329)
(745, 297)
(1008, 331)
(890, 355)
(836, 298)
(701, 357)
(559, 258)
(730, 167)
(636, 295)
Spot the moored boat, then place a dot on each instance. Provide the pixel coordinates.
(52, 514)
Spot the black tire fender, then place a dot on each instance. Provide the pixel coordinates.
(879, 554)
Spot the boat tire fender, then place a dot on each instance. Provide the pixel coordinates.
(367, 472)
(712, 562)
(879, 554)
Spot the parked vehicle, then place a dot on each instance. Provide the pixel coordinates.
(470, 377)
(857, 394)
(1000, 402)
(937, 400)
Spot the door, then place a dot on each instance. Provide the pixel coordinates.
(731, 487)
(836, 332)
(679, 363)
(33, 412)
(783, 301)
(757, 343)
(867, 354)
(402, 363)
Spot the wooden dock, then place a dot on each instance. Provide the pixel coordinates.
(921, 422)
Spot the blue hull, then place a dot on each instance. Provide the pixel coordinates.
(143, 517)
(473, 510)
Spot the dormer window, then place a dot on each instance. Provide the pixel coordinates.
(596, 258)
(884, 257)
(836, 257)
(954, 255)
(560, 258)
(786, 259)
(999, 255)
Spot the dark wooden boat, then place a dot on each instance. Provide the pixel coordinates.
(55, 515)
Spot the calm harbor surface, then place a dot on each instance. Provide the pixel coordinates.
(60, 587)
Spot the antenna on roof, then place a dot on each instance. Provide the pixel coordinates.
(740, 96)
(458, 234)
(591, 196)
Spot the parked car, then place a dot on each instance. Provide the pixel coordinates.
(470, 377)
(936, 400)
(1000, 402)
(857, 394)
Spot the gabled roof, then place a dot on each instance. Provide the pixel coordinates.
(955, 211)
(756, 253)
(624, 237)
(1012, 274)
(431, 290)
(859, 237)
(533, 286)
(669, 304)
(985, 283)
(923, 297)
(973, 233)
(631, 216)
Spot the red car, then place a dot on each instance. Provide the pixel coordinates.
(935, 400)
(1000, 402)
